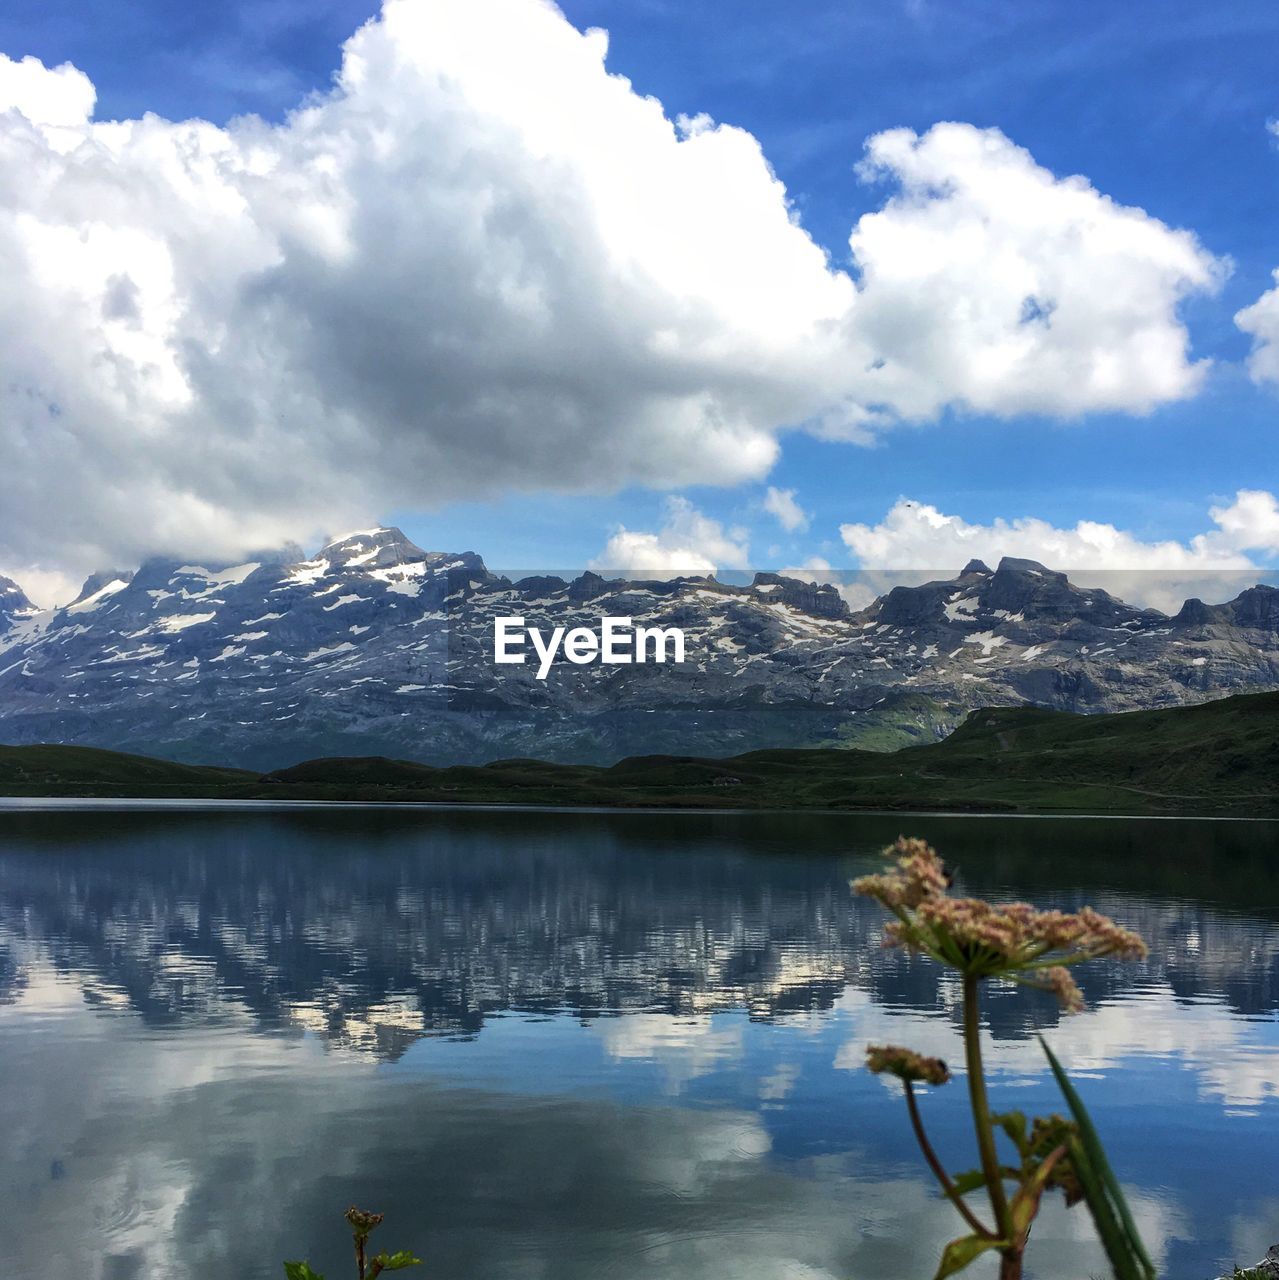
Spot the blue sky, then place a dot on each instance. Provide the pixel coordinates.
(1161, 107)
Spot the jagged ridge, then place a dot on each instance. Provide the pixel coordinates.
(376, 646)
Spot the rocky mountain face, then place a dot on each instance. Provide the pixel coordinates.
(14, 605)
(376, 647)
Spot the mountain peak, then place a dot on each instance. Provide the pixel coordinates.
(13, 600)
(1256, 606)
(376, 548)
(974, 566)
(97, 582)
(1013, 564)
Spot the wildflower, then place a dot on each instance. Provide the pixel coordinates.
(921, 874)
(362, 1222)
(906, 1064)
(990, 940)
(1012, 942)
(1058, 982)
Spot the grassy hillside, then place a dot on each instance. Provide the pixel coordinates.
(35, 770)
(1219, 758)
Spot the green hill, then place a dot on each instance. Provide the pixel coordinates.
(1218, 758)
(34, 770)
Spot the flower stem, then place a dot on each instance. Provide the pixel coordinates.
(952, 1194)
(981, 1109)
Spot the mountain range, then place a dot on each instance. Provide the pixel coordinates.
(376, 647)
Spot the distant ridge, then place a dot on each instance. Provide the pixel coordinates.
(1220, 758)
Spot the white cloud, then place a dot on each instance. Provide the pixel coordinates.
(686, 1048)
(858, 590)
(915, 535)
(46, 588)
(1261, 320)
(1229, 1060)
(989, 283)
(58, 96)
(689, 542)
(814, 569)
(1250, 522)
(482, 264)
(781, 504)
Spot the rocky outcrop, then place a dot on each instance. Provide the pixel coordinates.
(14, 604)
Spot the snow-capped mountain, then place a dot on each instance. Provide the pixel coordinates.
(374, 646)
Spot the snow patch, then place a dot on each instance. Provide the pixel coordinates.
(345, 647)
(987, 639)
(224, 577)
(103, 593)
(181, 621)
(962, 610)
(308, 571)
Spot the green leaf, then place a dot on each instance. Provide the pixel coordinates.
(968, 1181)
(397, 1261)
(300, 1271)
(1025, 1204)
(1119, 1250)
(1101, 1188)
(974, 1179)
(1013, 1123)
(959, 1253)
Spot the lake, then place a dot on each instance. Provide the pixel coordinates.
(588, 1045)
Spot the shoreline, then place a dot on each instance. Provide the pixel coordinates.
(141, 804)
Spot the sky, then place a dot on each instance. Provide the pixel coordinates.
(886, 284)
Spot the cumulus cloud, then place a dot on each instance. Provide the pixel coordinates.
(989, 283)
(60, 96)
(782, 505)
(688, 543)
(1261, 321)
(483, 263)
(916, 535)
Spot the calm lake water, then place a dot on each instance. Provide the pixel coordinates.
(591, 1045)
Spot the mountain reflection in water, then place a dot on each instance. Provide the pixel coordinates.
(592, 1044)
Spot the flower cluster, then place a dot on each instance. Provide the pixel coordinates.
(906, 1064)
(1058, 982)
(362, 1222)
(919, 875)
(1009, 940)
